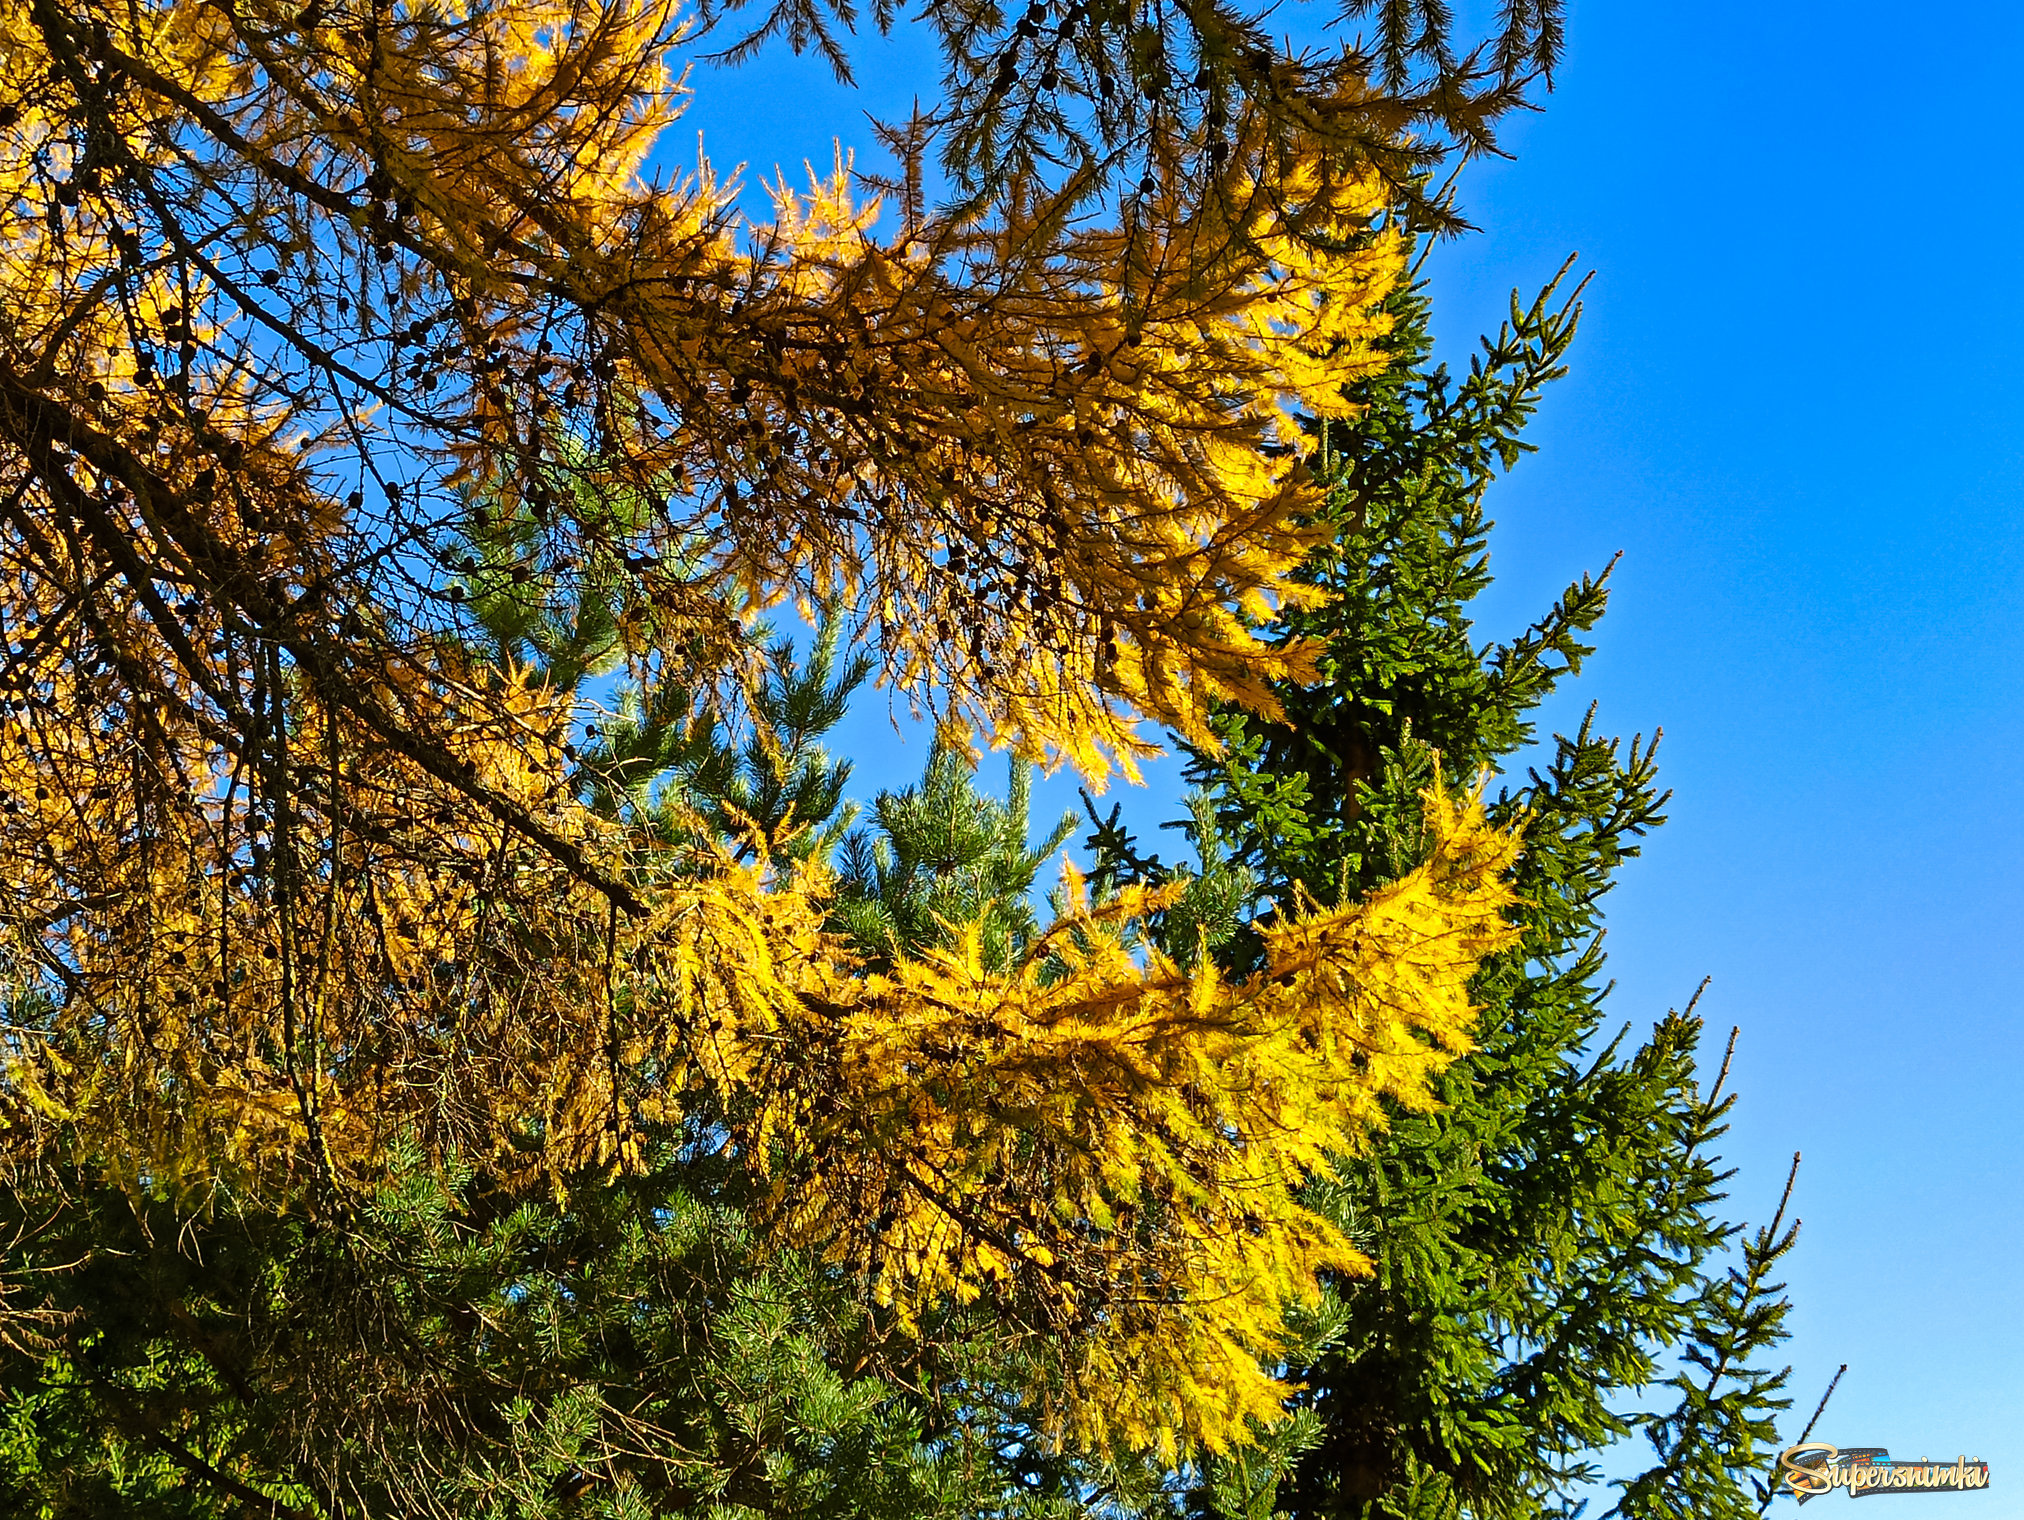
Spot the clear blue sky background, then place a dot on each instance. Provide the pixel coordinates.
(1795, 408)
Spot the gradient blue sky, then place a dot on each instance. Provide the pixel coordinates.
(1795, 409)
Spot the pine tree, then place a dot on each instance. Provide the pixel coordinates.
(940, 855)
(629, 1351)
(629, 1348)
(669, 755)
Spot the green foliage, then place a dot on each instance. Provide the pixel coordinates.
(1547, 1244)
(527, 612)
(779, 789)
(942, 853)
(1217, 895)
(623, 1352)
(1310, 800)
(668, 755)
(1719, 1432)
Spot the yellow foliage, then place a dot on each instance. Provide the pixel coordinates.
(1104, 1148)
(299, 301)
(1037, 456)
(1113, 1147)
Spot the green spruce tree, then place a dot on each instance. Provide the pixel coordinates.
(1548, 1245)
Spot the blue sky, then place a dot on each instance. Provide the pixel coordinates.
(1795, 409)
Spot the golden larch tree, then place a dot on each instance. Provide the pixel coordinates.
(299, 304)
